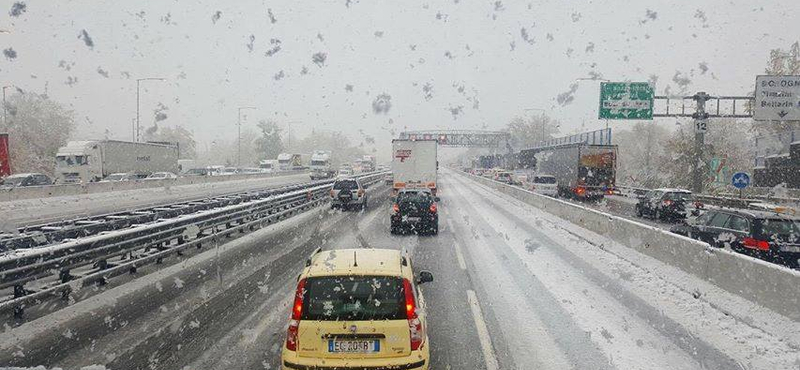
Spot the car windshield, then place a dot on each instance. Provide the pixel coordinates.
(14, 180)
(354, 298)
(586, 180)
(673, 195)
(416, 197)
(345, 185)
(781, 227)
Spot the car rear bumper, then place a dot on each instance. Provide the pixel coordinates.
(407, 366)
(423, 220)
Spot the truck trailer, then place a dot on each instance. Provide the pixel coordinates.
(87, 161)
(414, 164)
(583, 171)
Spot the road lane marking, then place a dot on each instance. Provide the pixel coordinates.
(483, 332)
(459, 255)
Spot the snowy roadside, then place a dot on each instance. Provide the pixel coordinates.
(745, 331)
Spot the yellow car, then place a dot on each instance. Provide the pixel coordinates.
(358, 309)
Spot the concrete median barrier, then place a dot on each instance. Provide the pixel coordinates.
(764, 283)
(34, 192)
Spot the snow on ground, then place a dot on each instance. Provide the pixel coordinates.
(635, 307)
(35, 211)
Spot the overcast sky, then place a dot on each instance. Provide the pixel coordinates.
(443, 64)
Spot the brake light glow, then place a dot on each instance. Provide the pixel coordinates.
(415, 329)
(433, 208)
(297, 312)
(753, 243)
(395, 208)
(580, 191)
(667, 202)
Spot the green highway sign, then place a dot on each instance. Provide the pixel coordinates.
(626, 100)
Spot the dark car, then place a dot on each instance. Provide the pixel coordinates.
(415, 210)
(766, 235)
(26, 179)
(666, 204)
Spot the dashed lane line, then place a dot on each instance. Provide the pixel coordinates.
(483, 332)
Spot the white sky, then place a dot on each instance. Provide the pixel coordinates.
(210, 71)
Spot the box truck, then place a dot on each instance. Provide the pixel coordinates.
(414, 164)
(583, 171)
(86, 161)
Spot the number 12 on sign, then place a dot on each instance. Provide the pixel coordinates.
(700, 126)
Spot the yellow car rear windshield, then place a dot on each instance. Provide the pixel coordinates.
(354, 298)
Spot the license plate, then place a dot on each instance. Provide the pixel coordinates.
(412, 219)
(354, 346)
(790, 248)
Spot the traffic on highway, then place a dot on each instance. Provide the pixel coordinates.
(351, 185)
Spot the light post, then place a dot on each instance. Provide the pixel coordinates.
(138, 84)
(542, 120)
(239, 136)
(4, 106)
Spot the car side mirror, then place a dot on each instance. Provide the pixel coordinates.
(436, 199)
(424, 277)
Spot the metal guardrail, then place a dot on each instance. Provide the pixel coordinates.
(723, 201)
(104, 256)
(54, 232)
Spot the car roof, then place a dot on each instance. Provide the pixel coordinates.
(383, 262)
(758, 213)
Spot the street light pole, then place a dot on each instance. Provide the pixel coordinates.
(239, 136)
(138, 84)
(4, 107)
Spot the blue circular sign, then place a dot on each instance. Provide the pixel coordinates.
(740, 180)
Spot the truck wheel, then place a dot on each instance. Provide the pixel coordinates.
(639, 212)
(435, 228)
(658, 216)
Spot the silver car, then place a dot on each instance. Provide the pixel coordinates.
(348, 193)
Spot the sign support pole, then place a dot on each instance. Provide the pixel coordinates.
(699, 141)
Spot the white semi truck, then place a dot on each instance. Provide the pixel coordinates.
(414, 164)
(290, 162)
(321, 165)
(87, 161)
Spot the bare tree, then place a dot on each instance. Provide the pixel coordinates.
(37, 127)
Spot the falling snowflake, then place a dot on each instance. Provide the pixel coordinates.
(567, 97)
(382, 104)
(271, 16)
(319, 58)
(10, 53)
(17, 9)
(217, 15)
(86, 38)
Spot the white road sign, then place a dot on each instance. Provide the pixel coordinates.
(777, 98)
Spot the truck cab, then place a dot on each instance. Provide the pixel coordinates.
(321, 166)
(78, 161)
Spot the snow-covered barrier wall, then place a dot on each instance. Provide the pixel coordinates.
(767, 284)
(34, 192)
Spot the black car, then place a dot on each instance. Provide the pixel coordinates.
(415, 210)
(665, 204)
(766, 235)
